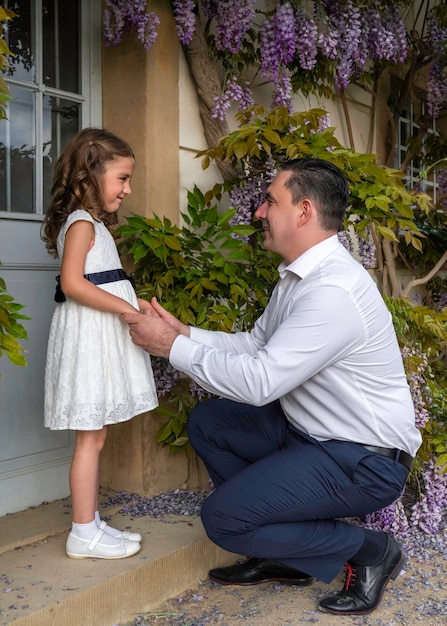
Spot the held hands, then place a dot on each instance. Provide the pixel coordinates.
(154, 329)
(182, 329)
(143, 305)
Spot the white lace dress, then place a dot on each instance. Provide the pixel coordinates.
(94, 374)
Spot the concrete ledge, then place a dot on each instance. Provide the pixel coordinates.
(40, 586)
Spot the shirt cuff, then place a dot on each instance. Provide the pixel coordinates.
(182, 352)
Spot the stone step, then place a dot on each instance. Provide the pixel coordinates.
(40, 586)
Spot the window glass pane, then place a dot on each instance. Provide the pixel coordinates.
(18, 153)
(60, 22)
(60, 122)
(45, 37)
(403, 133)
(20, 37)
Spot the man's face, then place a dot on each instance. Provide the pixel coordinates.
(280, 219)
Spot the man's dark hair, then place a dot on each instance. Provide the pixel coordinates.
(323, 183)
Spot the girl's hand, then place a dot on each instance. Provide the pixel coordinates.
(151, 333)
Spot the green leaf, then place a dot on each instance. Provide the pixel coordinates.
(240, 150)
(237, 254)
(386, 232)
(164, 432)
(416, 244)
(243, 231)
(139, 251)
(173, 243)
(208, 284)
(180, 441)
(272, 136)
(17, 358)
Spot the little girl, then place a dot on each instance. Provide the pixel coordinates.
(95, 375)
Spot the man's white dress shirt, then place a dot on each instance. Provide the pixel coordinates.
(325, 347)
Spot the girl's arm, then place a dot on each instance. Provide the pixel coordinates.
(78, 240)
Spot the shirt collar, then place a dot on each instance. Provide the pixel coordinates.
(306, 262)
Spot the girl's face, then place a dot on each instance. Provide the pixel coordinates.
(116, 182)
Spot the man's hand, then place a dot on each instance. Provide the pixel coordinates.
(157, 309)
(155, 330)
(145, 306)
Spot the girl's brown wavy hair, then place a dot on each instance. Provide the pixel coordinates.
(77, 180)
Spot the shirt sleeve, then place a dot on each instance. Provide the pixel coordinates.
(320, 328)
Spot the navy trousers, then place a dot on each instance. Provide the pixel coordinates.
(283, 495)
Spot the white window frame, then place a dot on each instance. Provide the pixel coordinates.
(90, 98)
(428, 186)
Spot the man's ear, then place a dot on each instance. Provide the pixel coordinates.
(306, 210)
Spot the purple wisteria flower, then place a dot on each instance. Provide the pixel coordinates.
(420, 391)
(234, 18)
(234, 93)
(185, 18)
(427, 514)
(268, 49)
(165, 376)
(278, 42)
(123, 15)
(329, 38)
(346, 240)
(350, 37)
(324, 123)
(367, 250)
(349, 45)
(387, 34)
(209, 8)
(198, 392)
(250, 194)
(307, 40)
(282, 95)
(285, 35)
(437, 81)
(342, 32)
(392, 519)
(396, 26)
(246, 199)
(437, 89)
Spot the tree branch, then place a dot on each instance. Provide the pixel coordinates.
(207, 80)
(347, 118)
(378, 246)
(390, 264)
(372, 120)
(426, 278)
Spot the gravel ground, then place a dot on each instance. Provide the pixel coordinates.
(418, 596)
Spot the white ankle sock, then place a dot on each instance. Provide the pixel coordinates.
(113, 532)
(84, 531)
(89, 530)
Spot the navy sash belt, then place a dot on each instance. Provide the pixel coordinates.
(97, 278)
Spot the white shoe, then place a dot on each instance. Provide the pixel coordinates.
(124, 534)
(77, 548)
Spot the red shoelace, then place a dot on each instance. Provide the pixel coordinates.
(350, 576)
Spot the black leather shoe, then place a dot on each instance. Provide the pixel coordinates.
(365, 584)
(257, 571)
